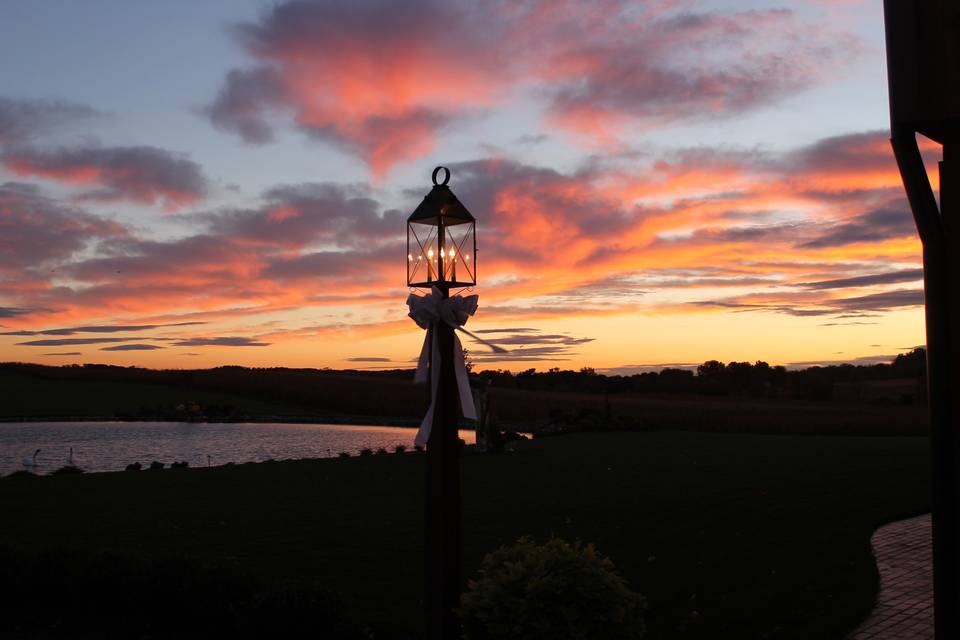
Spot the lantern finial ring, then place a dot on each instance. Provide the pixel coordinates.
(446, 176)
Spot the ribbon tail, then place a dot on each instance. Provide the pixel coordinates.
(423, 364)
(463, 381)
(426, 426)
(493, 347)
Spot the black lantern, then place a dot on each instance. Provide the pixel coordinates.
(441, 240)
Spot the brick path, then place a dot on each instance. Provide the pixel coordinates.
(904, 608)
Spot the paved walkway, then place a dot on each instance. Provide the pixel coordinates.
(904, 608)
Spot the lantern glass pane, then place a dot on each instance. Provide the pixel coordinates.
(423, 254)
(458, 254)
(441, 253)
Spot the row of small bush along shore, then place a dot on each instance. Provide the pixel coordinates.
(159, 466)
(156, 465)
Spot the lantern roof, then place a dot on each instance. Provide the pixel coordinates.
(441, 203)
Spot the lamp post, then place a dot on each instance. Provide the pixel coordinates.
(441, 255)
(923, 47)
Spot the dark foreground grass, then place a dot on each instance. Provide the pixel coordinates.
(728, 536)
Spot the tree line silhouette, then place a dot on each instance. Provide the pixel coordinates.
(390, 393)
(758, 379)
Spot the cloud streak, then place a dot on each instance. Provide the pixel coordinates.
(221, 342)
(70, 341)
(23, 120)
(131, 347)
(113, 328)
(892, 277)
(144, 175)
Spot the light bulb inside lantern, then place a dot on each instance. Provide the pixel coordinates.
(452, 253)
(409, 257)
(430, 254)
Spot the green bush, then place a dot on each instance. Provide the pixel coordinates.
(554, 591)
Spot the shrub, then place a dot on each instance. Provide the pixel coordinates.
(156, 466)
(67, 470)
(381, 451)
(554, 591)
(343, 454)
(400, 448)
(366, 452)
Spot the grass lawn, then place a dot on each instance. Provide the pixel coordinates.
(728, 536)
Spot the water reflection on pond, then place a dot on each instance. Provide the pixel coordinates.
(111, 446)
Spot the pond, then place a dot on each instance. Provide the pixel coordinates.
(111, 446)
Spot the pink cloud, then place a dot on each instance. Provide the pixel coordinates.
(377, 78)
(383, 79)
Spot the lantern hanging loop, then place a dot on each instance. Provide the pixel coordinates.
(446, 176)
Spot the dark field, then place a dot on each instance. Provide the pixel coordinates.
(33, 397)
(728, 536)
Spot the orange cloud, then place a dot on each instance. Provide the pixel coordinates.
(680, 232)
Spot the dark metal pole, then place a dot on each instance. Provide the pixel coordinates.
(443, 523)
(940, 233)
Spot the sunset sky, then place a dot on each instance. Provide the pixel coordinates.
(190, 184)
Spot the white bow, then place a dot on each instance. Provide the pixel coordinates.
(427, 311)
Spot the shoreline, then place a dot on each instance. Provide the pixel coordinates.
(360, 421)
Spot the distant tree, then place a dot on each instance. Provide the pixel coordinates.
(740, 376)
(673, 380)
(711, 369)
(910, 365)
